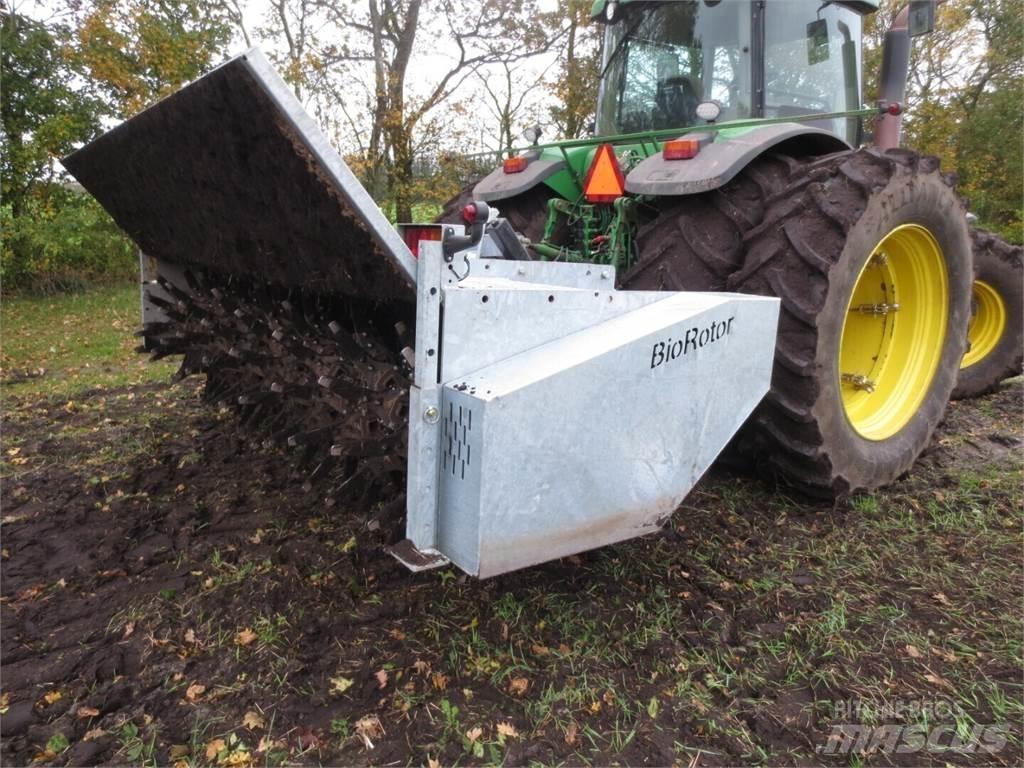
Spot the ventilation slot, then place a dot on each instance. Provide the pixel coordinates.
(458, 423)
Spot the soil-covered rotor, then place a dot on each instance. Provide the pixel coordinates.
(289, 305)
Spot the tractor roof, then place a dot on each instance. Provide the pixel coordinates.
(597, 10)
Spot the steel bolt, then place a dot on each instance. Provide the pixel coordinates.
(431, 415)
(604, 274)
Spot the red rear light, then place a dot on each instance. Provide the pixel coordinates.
(895, 109)
(680, 149)
(515, 164)
(414, 233)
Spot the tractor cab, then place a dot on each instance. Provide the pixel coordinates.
(681, 64)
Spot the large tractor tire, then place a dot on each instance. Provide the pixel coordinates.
(996, 332)
(696, 242)
(870, 255)
(527, 212)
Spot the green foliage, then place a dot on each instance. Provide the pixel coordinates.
(61, 243)
(991, 160)
(46, 109)
(963, 100)
(59, 82)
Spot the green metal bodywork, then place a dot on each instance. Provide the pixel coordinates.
(578, 153)
(604, 233)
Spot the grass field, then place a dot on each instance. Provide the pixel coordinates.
(172, 594)
(62, 345)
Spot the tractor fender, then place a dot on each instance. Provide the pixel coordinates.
(498, 185)
(718, 162)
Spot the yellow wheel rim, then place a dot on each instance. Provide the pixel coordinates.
(894, 332)
(987, 324)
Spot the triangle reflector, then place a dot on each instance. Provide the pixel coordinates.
(604, 179)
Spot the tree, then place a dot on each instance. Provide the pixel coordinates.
(45, 111)
(476, 33)
(137, 51)
(963, 99)
(575, 88)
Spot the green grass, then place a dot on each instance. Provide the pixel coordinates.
(59, 346)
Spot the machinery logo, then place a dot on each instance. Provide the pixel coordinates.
(695, 338)
(948, 730)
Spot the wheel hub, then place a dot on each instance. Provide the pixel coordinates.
(987, 324)
(894, 332)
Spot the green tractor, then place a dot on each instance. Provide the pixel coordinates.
(731, 154)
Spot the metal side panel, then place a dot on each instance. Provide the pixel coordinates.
(564, 273)
(597, 436)
(231, 174)
(489, 320)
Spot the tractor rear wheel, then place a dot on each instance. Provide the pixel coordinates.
(696, 242)
(526, 212)
(870, 255)
(997, 323)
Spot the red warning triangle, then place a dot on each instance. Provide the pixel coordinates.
(604, 179)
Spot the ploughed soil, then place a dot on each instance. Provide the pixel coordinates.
(173, 594)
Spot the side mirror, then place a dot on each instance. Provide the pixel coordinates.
(921, 19)
(817, 42)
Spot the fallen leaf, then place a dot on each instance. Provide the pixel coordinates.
(941, 598)
(253, 720)
(215, 747)
(382, 678)
(245, 637)
(913, 652)
(179, 750)
(194, 691)
(340, 684)
(507, 729)
(190, 636)
(944, 654)
(931, 677)
(517, 686)
(5, 703)
(439, 681)
(432, 763)
(572, 734)
(266, 744)
(368, 728)
(397, 634)
(128, 629)
(474, 733)
(84, 712)
(52, 697)
(540, 650)
(94, 734)
(30, 593)
(236, 757)
(421, 667)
